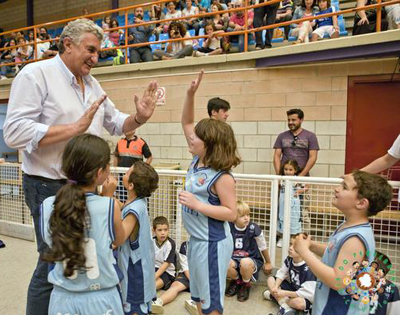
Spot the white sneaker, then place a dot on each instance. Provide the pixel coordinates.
(157, 307)
(279, 243)
(267, 295)
(199, 54)
(191, 307)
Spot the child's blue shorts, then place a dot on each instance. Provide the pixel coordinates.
(208, 267)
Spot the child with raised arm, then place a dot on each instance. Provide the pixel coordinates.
(209, 201)
(136, 255)
(165, 253)
(249, 252)
(79, 227)
(359, 196)
(293, 287)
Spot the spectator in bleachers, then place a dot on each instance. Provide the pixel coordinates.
(171, 13)
(115, 35)
(263, 16)
(52, 51)
(393, 15)
(157, 14)
(106, 24)
(284, 14)
(222, 4)
(365, 20)
(178, 49)
(3, 41)
(327, 25)
(303, 30)
(237, 23)
(43, 34)
(24, 52)
(204, 5)
(31, 35)
(191, 23)
(212, 44)
(220, 22)
(8, 56)
(140, 34)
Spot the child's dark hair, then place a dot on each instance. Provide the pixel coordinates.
(295, 165)
(328, 5)
(303, 4)
(296, 111)
(220, 144)
(160, 221)
(217, 103)
(144, 179)
(214, 29)
(177, 26)
(375, 189)
(83, 157)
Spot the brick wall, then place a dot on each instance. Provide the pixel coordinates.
(13, 14)
(259, 100)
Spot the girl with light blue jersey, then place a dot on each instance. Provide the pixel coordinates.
(209, 201)
(79, 227)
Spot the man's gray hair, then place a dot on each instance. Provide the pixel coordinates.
(75, 29)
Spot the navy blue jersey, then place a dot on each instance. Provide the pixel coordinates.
(388, 302)
(244, 241)
(300, 276)
(326, 20)
(183, 257)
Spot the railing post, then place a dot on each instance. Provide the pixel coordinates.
(273, 220)
(286, 218)
(34, 44)
(378, 17)
(126, 36)
(246, 26)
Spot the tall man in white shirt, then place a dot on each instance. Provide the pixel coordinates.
(51, 102)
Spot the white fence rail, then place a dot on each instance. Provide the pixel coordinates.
(261, 192)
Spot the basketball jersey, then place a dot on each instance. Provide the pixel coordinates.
(183, 261)
(136, 258)
(326, 20)
(199, 181)
(300, 276)
(388, 302)
(244, 241)
(102, 267)
(166, 252)
(328, 301)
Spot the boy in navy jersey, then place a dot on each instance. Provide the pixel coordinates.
(327, 25)
(165, 253)
(359, 196)
(248, 252)
(294, 285)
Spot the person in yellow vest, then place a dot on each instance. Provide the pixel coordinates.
(130, 150)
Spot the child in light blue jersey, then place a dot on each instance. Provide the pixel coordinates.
(136, 255)
(359, 196)
(208, 202)
(79, 227)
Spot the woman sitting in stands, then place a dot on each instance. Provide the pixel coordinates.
(172, 13)
(178, 49)
(365, 20)
(157, 14)
(303, 30)
(115, 35)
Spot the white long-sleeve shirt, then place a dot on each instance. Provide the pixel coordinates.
(46, 94)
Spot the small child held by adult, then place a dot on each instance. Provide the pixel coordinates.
(249, 253)
(327, 25)
(165, 254)
(359, 196)
(136, 255)
(212, 44)
(293, 287)
(290, 168)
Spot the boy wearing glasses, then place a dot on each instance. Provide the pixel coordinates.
(296, 144)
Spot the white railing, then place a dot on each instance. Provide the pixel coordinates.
(261, 192)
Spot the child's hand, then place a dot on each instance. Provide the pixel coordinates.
(189, 200)
(302, 243)
(274, 290)
(196, 83)
(109, 186)
(279, 295)
(267, 268)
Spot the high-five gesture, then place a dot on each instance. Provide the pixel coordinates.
(194, 85)
(86, 120)
(145, 107)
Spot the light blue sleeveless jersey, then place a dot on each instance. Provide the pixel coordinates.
(136, 259)
(199, 181)
(328, 301)
(99, 256)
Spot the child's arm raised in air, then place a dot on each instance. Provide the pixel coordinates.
(329, 275)
(225, 190)
(187, 118)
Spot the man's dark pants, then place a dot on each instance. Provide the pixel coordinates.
(36, 190)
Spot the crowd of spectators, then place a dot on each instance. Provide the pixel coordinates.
(212, 26)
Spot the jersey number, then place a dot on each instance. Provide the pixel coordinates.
(239, 243)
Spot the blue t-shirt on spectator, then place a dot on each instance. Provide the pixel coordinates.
(326, 20)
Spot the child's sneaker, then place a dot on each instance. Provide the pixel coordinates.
(157, 307)
(284, 311)
(279, 243)
(191, 307)
(267, 295)
(233, 288)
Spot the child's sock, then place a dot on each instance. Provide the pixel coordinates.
(246, 282)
